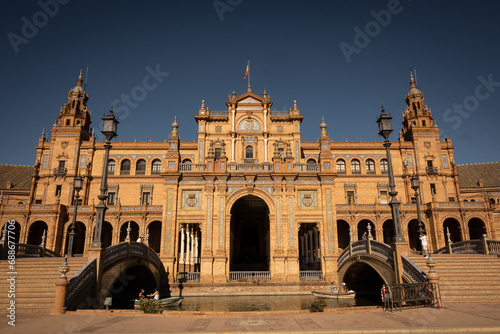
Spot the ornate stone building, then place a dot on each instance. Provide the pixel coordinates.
(249, 194)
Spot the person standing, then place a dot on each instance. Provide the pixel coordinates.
(423, 240)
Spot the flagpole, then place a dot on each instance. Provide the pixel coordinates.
(249, 89)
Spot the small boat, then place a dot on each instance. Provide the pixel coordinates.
(165, 302)
(335, 295)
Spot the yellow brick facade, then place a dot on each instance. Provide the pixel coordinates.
(249, 194)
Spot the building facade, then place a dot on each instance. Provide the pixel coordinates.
(249, 194)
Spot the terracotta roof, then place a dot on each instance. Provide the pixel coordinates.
(470, 174)
(19, 176)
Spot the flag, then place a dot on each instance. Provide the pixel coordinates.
(246, 72)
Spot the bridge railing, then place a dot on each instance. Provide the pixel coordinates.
(126, 249)
(397, 296)
(85, 276)
(26, 250)
(385, 253)
(476, 246)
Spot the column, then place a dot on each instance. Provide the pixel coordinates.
(232, 149)
(316, 244)
(265, 149)
(311, 247)
(188, 244)
(181, 256)
(233, 120)
(265, 120)
(306, 249)
(192, 246)
(302, 247)
(196, 246)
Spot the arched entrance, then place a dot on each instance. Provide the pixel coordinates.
(78, 240)
(134, 231)
(363, 227)
(129, 283)
(107, 235)
(17, 231)
(309, 247)
(35, 233)
(453, 226)
(365, 280)
(249, 235)
(476, 228)
(388, 230)
(413, 236)
(154, 239)
(343, 234)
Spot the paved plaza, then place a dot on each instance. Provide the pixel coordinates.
(454, 318)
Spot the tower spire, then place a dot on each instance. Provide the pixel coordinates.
(80, 81)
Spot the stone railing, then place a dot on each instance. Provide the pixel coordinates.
(188, 277)
(192, 167)
(311, 275)
(85, 276)
(249, 276)
(476, 246)
(412, 272)
(25, 250)
(311, 168)
(118, 252)
(263, 167)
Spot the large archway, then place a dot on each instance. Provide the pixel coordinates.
(78, 240)
(249, 235)
(453, 226)
(388, 231)
(366, 281)
(154, 239)
(35, 233)
(413, 235)
(476, 228)
(343, 234)
(363, 227)
(129, 283)
(134, 231)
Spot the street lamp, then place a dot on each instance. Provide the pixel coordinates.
(415, 185)
(385, 129)
(78, 186)
(109, 131)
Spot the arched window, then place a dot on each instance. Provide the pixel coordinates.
(140, 168)
(341, 166)
(249, 152)
(156, 167)
(370, 166)
(125, 167)
(355, 166)
(384, 166)
(111, 167)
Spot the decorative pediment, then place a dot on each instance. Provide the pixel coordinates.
(249, 100)
(62, 156)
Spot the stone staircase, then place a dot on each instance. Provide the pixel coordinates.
(467, 277)
(35, 278)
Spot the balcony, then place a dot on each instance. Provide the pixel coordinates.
(192, 167)
(60, 171)
(311, 168)
(235, 167)
(431, 170)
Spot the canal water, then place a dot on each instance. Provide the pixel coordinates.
(263, 303)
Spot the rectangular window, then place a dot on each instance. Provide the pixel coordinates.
(80, 201)
(384, 198)
(282, 153)
(58, 190)
(38, 201)
(433, 189)
(146, 198)
(451, 199)
(350, 197)
(111, 198)
(217, 153)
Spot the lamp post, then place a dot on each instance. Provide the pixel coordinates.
(385, 129)
(109, 131)
(78, 186)
(415, 185)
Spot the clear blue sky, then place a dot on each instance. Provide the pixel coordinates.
(295, 53)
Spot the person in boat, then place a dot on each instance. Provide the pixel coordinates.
(343, 287)
(141, 295)
(333, 287)
(155, 295)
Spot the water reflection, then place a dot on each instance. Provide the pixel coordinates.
(262, 303)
